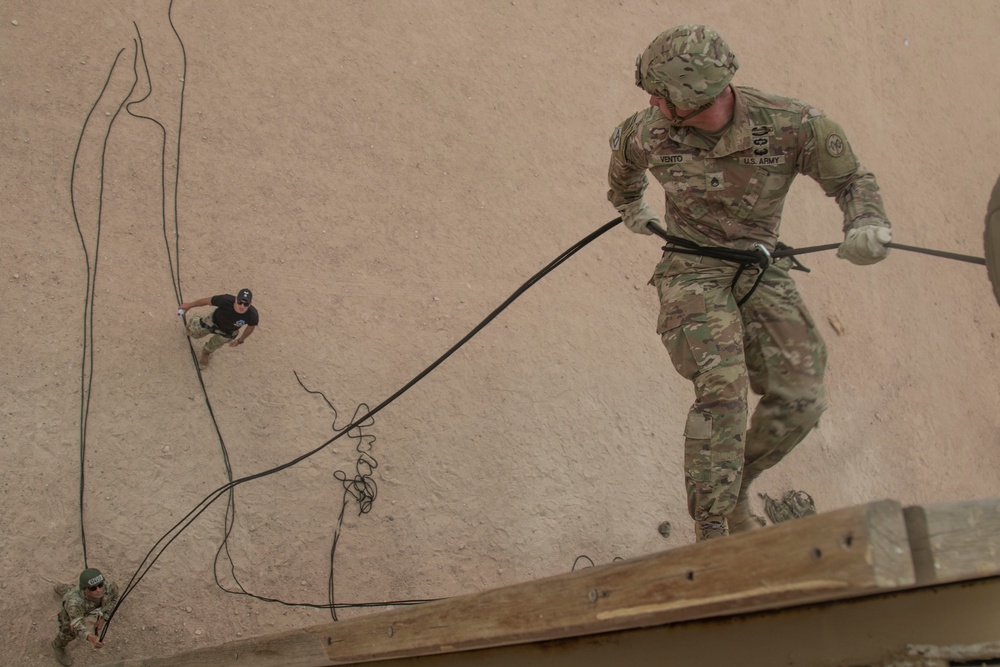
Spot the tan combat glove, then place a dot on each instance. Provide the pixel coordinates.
(637, 214)
(865, 244)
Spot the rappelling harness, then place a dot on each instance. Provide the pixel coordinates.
(758, 255)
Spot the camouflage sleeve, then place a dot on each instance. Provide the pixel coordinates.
(828, 159)
(109, 601)
(627, 171)
(77, 612)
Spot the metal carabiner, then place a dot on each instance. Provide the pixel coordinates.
(763, 253)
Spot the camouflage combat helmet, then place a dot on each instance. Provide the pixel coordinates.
(688, 66)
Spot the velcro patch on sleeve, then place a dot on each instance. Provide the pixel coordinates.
(834, 157)
(621, 138)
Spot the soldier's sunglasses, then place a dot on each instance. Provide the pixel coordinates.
(243, 303)
(96, 587)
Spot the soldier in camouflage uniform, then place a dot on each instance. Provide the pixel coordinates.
(92, 596)
(726, 156)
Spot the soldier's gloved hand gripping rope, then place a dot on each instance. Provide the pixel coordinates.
(788, 251)
(637, 215)
(862, 245)
(866, 244)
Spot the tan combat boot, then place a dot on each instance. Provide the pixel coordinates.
(710, 529)
(62, 656)
(741, 519)
(204, 359)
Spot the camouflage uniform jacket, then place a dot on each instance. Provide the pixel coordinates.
(732, 194)
(77, 607)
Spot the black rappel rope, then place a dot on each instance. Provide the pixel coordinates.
(782, 250)
(749, 257)
(788, 251)
(761, 257)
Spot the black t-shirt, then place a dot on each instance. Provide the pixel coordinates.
(225, 316)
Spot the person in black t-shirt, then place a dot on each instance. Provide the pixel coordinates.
(224, 323)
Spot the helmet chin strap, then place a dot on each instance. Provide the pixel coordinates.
(677, 121)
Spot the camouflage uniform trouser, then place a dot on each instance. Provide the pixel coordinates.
(65, 634)
(769, 344)
(199, 327)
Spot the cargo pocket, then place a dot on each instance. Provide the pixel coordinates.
(698, 456)
(712, 464)
(698, 426)
(685, 332)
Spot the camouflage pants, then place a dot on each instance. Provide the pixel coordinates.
(65, 634)
(199, 327)
(769, 344)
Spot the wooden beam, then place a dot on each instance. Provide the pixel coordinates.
(933, 626)
(954, 541)
(845, 553)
